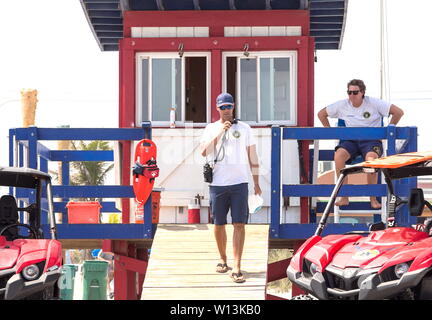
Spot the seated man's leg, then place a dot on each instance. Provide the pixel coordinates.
(344, 151)
(373, 150)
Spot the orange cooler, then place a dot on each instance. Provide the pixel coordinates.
(83, 211)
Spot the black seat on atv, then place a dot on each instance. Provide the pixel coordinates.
(8, 215)
(416, 202)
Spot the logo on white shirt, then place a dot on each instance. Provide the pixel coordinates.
(366, 114)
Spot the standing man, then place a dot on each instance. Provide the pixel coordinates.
(359, 111)
(230, 142)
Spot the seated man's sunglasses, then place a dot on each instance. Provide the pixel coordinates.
(354, 92)
(226, 106)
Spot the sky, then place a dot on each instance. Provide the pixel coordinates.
(48, 45)
(408, 54)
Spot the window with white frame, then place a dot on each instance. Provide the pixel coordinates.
(165, 81)
(264, 85)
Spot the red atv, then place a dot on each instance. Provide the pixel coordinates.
(30, 266)
(386, 262)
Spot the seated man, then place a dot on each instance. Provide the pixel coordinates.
(359, 111)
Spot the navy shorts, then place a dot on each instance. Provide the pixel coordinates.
(361, 147)
(222, 198)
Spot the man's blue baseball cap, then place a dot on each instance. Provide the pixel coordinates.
(224, 99)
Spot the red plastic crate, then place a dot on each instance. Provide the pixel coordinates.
(83, 211)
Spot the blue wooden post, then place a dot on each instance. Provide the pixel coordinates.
(391, 150)
(32, 147)
(11, 147)
(148, 207)
(391, 140)
(20, 155)
(146, 125)
(43, 164)
(148, 212)
(65, 173)
(65, 182)
(20, 164)
(411, 182)
(32, 159)
(276, 151)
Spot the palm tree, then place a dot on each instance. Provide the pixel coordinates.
(90, 172)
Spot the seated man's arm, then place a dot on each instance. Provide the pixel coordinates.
(396, 114)
(323, 116)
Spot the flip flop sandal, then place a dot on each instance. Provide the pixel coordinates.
(237, 277)
(221, 267)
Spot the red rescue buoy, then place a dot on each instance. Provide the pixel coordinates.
(144, 173)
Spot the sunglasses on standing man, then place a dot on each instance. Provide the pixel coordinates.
(226, 106)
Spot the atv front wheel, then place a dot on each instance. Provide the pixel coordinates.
(425, 289)
(303, 297)
(46, 294)
(405, 295)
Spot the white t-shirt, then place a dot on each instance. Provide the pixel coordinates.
(232, 166)
(369, 114)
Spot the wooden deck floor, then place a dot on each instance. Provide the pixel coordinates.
(183, 260)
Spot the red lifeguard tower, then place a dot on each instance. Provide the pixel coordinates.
(180, 54)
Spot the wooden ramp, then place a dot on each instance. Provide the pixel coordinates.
(183, 261)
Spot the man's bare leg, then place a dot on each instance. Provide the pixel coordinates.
(372, 178)
(221, 241)
(238, 244)
(341, 156)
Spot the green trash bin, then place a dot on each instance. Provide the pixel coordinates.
(95, 280)
(67, 280)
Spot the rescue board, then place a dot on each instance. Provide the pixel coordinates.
(145, 169)
(398, 160)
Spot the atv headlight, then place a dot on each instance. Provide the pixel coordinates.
(313, 268)
(400, 269)
(31, 272)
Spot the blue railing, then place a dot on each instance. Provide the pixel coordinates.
(38, 156)
(26, 150)
(408, 135)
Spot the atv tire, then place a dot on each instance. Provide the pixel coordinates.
(405, 295)
(303, 297)
(425, 289)
(46, 294)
